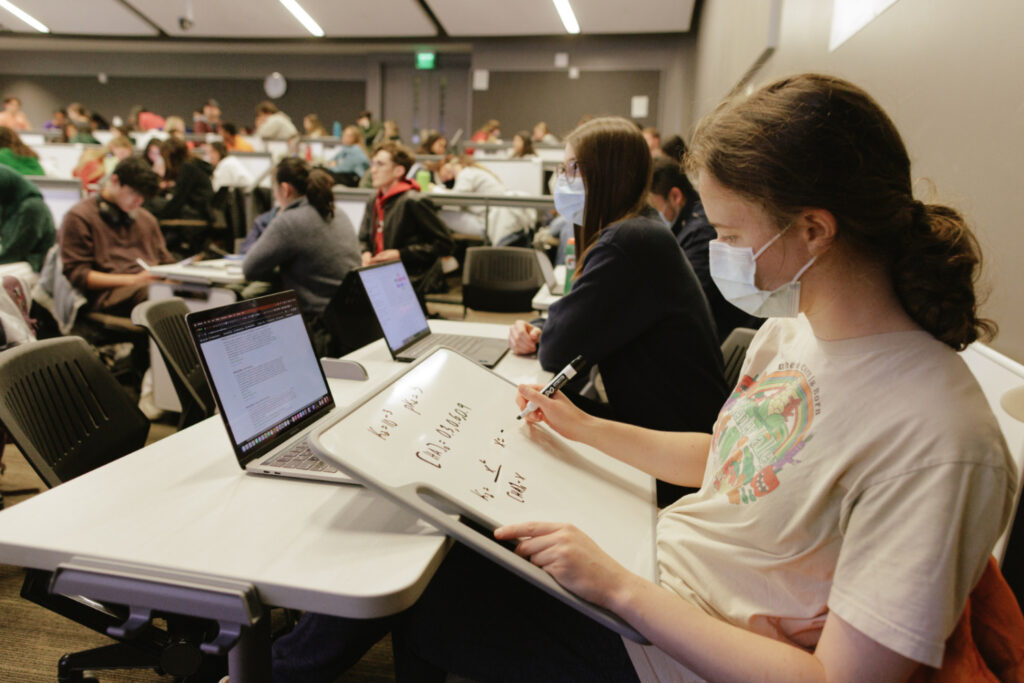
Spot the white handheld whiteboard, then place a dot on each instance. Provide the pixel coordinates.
(443, 438)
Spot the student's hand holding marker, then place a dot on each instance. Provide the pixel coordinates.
(571, 557)
(523, 338)
(557, 411)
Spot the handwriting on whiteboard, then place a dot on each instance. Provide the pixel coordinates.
(514, 484)
(387, 421)
(442, 435)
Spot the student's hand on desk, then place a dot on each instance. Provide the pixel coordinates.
(558, 412)
(570, 556)
(386, 255)
(523, 337)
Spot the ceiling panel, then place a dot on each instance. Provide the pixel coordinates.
(95, 17)
(507, 18)
(351, 19)
(539, 17)
(269, 19)
(644, 16)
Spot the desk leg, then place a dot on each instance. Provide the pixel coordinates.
(249, 659)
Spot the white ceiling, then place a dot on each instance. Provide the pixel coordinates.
(348, 19)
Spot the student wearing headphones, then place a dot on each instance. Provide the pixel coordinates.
(855, 481)
(102, 239)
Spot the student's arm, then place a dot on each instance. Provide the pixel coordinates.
(711, 648)
(271, 250)
(675, 457)
(96, 279)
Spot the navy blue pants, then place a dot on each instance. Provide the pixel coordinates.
(475, 619)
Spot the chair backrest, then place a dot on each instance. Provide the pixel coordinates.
(164, 319)
(65, 410)
(734, 350)
(500, 278)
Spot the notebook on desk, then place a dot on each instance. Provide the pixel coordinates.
(405, 326)
(268, 383)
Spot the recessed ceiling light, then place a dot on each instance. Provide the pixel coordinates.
(566, 14)
(303, 17)
(24, 16)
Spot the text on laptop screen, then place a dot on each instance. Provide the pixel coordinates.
(264, 368)
(391, 294)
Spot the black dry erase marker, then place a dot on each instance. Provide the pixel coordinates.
(559, 380)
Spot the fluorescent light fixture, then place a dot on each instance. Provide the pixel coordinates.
(24, 16)
(303, 17)
(565, 13)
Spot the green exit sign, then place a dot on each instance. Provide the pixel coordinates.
(425, 60)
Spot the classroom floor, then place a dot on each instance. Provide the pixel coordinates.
(32, 639)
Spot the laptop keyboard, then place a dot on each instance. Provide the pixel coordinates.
(467, 346)
(300, 457)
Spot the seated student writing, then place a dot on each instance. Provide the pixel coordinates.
(847, 504)
(636, 309)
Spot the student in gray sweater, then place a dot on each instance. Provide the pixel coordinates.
(312, 247)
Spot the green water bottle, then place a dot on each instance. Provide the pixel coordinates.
(570, 262)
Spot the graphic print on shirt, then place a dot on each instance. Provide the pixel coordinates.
(762, 427)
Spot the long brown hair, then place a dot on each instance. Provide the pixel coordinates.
(615, 165)
(10, 138)
(819, 141)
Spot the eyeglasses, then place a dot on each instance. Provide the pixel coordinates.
(569, 170)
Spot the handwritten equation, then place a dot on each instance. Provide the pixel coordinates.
(513, 486)
(497, 478)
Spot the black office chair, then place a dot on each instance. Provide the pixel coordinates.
(67, 413)
(165, 321)
(734, 350)
(501, 279)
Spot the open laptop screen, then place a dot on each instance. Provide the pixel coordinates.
(398, 310)
(262, 369)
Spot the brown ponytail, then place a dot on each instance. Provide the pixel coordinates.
(933, 272)
(315, 184)
(819, 141)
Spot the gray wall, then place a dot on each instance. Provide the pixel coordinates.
(519, 99)
(331, 70)
(948, 73)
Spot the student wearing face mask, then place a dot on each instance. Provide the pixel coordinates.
(856, 480)
(679, 205)
(636, 309)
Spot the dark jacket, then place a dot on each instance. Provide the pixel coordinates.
(410, 225)
(192, 192)
(693, 232)
(638, 312)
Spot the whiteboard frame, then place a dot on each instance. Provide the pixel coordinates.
(445, 514)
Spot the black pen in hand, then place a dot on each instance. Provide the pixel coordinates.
(559, 381)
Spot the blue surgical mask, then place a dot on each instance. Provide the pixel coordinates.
(733, 270)
(570, 198)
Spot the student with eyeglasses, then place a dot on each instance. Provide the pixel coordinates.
(636, 309)
(856, 480)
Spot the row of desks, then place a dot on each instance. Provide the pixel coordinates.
(183, 504)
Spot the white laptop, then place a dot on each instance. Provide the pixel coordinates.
(404, 325)
(268, 383)
(548, 271)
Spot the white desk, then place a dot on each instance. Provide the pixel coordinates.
(209, 272)
(183, 504)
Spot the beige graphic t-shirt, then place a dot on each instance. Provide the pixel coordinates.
(866, 476)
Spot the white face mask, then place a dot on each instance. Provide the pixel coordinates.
(733, 270)
(570, 198)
